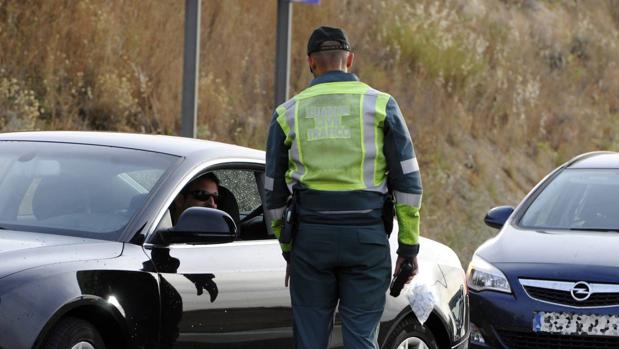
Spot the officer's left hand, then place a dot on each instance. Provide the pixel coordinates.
(287, 278)
(398, 264)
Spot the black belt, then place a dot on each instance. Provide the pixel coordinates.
(340, 201)
(339, 207)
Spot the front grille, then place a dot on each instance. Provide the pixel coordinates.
(565, 297)
(526, 340)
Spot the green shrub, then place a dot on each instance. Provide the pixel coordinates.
(435, 54)
(19, 108)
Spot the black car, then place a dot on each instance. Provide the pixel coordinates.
(550, 278)
(89, 257)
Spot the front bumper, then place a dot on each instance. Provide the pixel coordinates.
(506, 321)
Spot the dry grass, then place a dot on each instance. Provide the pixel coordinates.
(496, 92)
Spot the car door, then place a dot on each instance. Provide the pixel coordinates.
(229, 295)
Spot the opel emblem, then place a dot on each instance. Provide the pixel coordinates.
(581, 291)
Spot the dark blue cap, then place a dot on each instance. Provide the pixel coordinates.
(324, 34)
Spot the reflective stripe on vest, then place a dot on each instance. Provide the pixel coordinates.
(335, 134)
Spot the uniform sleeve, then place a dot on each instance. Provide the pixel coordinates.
(403, 179)
(275, 180)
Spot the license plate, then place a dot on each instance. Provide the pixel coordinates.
(576, 324)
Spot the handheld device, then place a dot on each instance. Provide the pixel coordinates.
(406, 270)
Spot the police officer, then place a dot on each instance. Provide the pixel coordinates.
(340, 147)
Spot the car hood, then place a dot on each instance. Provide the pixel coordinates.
(25, 250)
(515, 245)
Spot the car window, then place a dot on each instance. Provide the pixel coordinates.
(4, 165)
(139, 183)
(242, 183)
(239, 196)
(75, 189)
(577, 199)
(141, 180)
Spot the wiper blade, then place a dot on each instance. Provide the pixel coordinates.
(615, 230)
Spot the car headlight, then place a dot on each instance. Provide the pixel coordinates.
(482, 276)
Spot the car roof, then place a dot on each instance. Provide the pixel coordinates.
(598, 159)
(179, 146)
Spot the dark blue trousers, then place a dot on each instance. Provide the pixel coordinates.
(335, 263)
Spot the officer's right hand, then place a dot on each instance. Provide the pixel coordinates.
(287, 278)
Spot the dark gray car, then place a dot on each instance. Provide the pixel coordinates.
(89, 258)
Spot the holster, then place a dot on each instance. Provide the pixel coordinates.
(290, 222)
(388, 214)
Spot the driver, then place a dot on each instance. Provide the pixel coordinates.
(202, 192)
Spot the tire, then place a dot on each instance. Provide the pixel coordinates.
(74, 333)
(409, 334)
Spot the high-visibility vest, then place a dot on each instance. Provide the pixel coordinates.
(335, 134)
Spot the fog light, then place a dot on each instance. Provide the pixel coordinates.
(476, 336)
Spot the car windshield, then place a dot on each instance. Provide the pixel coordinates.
(75, 189)
(577, 199)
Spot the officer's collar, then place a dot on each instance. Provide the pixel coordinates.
(334, 76)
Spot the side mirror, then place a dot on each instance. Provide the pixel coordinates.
(201, 225)
(496, 217)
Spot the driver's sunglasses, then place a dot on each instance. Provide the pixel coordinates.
(203, 195)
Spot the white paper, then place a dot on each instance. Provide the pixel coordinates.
(421, 300)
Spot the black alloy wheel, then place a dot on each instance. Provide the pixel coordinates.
(74, 333)
(410, 334)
